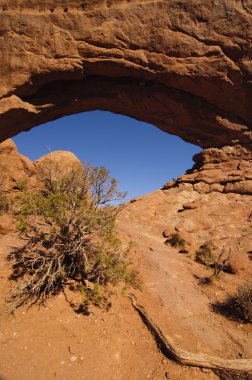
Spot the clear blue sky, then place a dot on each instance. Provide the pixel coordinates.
(139, 155)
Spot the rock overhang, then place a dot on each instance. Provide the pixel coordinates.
(183, 66)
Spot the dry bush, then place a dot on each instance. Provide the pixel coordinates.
(238, 306)
(71, 240)
(4, 199)
(205, 254)
(175, 240)
(218, 264)
(242, 302)
(4, 203)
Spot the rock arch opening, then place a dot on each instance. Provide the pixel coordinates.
(139, 155)
(183, 67)
(173, 65)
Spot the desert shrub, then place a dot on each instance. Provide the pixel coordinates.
(22, 184)
(242, 303)
(205, 254)
(219, 263)
(93, 295)
(71, 239)
(4, 203)
(4, 199)
(238, 306)
(21, 225)
(175, 240)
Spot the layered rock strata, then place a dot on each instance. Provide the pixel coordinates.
(225, 170)
(184, 66)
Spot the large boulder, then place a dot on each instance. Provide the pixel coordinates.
(18, 171)
(57, 164)
(15, 169)
(239, 262)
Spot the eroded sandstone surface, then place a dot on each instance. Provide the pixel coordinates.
(170, 288)
(184, 66)
(211, 202)
(14, 167)
(17, 170)
(224, 170)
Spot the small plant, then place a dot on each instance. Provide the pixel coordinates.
(218, 264)
(176, 241)
(238, 306)
(4, 203)
(243, 302)
(22, 184)
(93, 295)
(4, 199)
(221, 264)
(205, 255)
(21, 225)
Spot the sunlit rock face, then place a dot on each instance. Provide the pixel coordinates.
(211, 202)
(15, 169)
(184, 66)
(18, 171)
(224, 170)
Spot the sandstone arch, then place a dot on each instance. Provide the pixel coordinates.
(180, 65)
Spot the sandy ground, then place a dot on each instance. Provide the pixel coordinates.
(55, 343)
(171, 293)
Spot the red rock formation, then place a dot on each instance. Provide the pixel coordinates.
(57, 162)
(226, 170)
(17, 170)
(14, 167)
(184, 66)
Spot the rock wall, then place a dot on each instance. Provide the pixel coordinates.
(184, 66)
(225, 170)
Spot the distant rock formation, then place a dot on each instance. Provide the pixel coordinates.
(57, 164)
(16, 169)
(225, 170)
(184, 66)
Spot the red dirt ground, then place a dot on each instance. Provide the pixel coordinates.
(55, 343)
